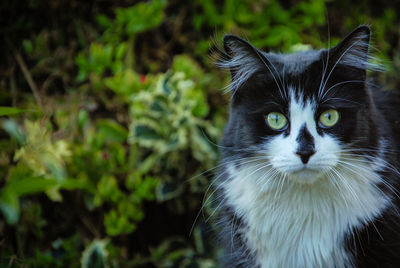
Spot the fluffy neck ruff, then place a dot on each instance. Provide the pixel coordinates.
(289, 224)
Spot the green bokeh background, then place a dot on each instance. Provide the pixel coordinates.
(111, 112)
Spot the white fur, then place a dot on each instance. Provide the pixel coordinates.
(281, 150)
(297, 215)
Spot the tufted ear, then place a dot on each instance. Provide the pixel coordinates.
(353, 51)
(242, 59)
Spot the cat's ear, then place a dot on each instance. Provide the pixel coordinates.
(353, 51)
(241, 58)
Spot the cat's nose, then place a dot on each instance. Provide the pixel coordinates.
(306, 147)
(305, 155)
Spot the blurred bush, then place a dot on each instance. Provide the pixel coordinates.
(110, 116)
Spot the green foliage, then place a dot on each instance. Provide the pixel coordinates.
(141, 17)
(115, 53)
(267, 23)
(11, 111)
(113, 170)
(166, 117)
(101, 58)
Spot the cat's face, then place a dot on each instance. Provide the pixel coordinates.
(303, 114)
(314, 137)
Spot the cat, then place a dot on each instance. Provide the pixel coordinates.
(310, 159)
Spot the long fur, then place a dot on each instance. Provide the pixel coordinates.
(278, 210)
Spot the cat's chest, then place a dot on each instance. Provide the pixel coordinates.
(292, 225)
(296, 236)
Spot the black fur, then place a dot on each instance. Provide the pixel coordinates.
(378, 243)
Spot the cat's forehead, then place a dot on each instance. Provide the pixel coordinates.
(296, 63)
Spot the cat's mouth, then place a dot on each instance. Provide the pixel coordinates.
(305, 175)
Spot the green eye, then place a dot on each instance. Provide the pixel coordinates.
(329, 118)
(276, 120)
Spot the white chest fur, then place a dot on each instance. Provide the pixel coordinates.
(302, 225)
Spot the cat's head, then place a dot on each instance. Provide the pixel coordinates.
(302, 113)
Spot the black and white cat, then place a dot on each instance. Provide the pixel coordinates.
(310, 160)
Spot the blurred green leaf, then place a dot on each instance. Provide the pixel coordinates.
(28, 46)
(83, 118)
(14, 130)
(9, 206)
(141, 17)
(112, 131)
(33, 185)
(103, 21)
(117, 224)
(146, 132)
(124, 83)
(13, 190)
(12, 110)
